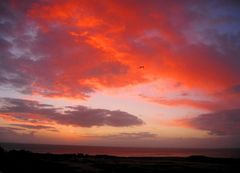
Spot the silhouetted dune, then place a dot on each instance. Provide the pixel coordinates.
(28, 162)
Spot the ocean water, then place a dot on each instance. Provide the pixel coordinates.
(123, 151)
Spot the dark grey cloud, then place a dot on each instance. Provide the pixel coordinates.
(10, 129)
(32, 111)
(234, 89)
(11, 134)
(34, 127)
(12, 31)
(86, 117)
(221, 123)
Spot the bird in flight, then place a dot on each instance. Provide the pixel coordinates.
(141, 67)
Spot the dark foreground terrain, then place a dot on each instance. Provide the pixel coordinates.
(27, 162)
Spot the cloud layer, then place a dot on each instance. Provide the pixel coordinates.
(73, 48)
(34, 112)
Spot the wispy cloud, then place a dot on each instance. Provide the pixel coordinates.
(34, 127)
(187, 102)
(132, 136)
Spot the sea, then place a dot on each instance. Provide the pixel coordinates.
(124, 151)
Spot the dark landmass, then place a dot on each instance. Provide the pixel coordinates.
(28, 162)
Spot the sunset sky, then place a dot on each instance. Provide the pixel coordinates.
(140, 73)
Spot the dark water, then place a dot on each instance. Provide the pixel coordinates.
(122, 151)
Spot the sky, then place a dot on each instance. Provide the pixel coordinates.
(133, 73)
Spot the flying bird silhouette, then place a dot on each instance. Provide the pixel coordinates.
(141, 67)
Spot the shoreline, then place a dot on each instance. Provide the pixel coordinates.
(124, 151)
(26, 161)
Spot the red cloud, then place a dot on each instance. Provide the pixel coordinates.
(72, 48)
(200, 104)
